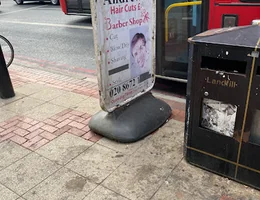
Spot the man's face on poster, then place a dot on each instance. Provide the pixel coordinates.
(139, 53)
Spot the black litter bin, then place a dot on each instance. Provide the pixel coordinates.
(222, 132)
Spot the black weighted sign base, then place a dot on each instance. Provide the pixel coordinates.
(132, 123)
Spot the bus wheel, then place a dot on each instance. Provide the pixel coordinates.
(54, 2)
(19, 2)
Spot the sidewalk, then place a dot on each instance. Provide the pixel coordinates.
(48, 152)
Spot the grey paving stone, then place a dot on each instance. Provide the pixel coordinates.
(6, 114)
(98, 162)
(30, 88)
(44, 111)
(10, 100)
(68, 99)
(64, 148)
(148, 167)
(47, 94)
(10, 152)
(23, 105)
(64, 184)
(121, 147)
(27, 172)
(90, 105)
(190, 182)
(102, 193)
(6, 194)
(139, 181)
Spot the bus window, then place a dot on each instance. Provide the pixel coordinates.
(182, 20)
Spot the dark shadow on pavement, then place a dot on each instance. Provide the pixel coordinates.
(171, 87)
(82, 20)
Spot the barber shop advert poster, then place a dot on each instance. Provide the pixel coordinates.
(124, 37)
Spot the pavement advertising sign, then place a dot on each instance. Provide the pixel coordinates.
(124, 36)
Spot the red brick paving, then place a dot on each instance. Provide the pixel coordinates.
(226, 198)
(47, 135)
(86, 129)
(95, 138)
(89, 135)
(63, 123)
(77, 125)
(38, 144)
(18, 139)
(49, 128)
(33, 134)
(21, 132)
(62, 130)
(36, 126)
(76, 132)
(51, 122)
(7, 136)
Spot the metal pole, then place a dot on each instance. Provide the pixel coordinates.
(6, 87)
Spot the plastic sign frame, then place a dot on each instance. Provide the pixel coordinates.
(124, 39)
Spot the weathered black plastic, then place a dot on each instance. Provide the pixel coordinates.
(132, 123)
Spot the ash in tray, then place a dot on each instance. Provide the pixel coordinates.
(218, 116)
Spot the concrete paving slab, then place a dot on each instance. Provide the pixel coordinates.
(98, 161)
(10, 152)
(90, 106)
(23, 105)
(7, 114)
(47, 94)
(30, 88)
(126, 149)
(68, 99)
(6, 194)
(27, 172)
(174, 126)
(102, 193)
(44, 111)
(17, 96)
(163, 152)
(64, 148)
(190, 182)
(148, 167)
(173, 130)
(139, 181)
(64, 184)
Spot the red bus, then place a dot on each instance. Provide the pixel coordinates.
(177, 20)
(76, 7)
(224, 13)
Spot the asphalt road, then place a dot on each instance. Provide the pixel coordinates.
(41, 31)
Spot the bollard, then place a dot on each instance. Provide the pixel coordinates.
(6, 87)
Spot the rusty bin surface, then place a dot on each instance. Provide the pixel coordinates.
(222, 128)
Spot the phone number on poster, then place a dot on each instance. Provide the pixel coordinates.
(124, 87)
